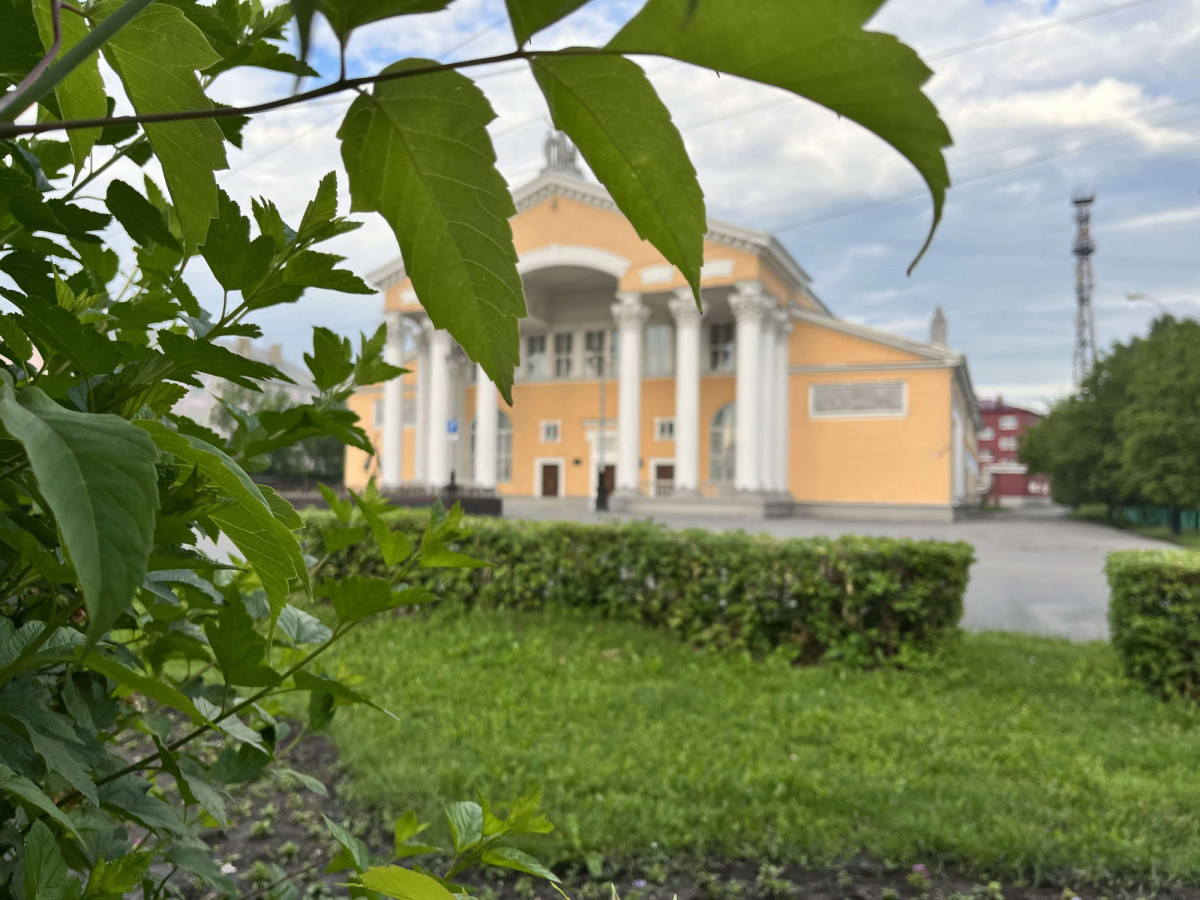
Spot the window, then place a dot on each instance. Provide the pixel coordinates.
(535, 356)
(722, 445)
(409, 414)
(664, 429)
(551, 431)
(1007, 443)
(658, 350)
(564, 345)
(987, 434)
(593, 354)
(377, 414)
(985, 456)
(503, 447)
(1008, 423)
(857, 399)
(720, 347)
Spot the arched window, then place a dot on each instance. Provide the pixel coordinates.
(503, 446)
(722, 445)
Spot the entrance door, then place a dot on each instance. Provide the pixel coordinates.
(610, 479)
(664, 479)
(549, 479)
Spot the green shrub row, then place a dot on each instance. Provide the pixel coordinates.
(857, 600)
(1154, 617)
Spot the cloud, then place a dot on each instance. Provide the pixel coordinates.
(1164, 217)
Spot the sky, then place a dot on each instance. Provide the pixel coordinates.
(1063, 96)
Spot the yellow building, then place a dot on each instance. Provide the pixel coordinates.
(765, 404)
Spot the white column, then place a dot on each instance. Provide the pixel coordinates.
(424, 367)
(630, 314)
(439, 408)
(687, 391)
(748, 305)
(783, 334)
(487, 415)
(391, 465)
(766, 404)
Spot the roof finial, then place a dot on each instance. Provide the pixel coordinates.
(938, 329)
(561, 154)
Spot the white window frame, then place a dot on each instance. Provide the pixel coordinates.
(1008, 443)
(1009, 423)
(543, 355)
(551, 425)
(859, 414)
(595, 362)
(986, 456)
(565, 359)
(731, 364)
(987, 433)
(653, 365)
(661, 425)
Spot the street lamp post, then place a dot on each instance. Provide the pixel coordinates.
(601, 483)
(1138, 296)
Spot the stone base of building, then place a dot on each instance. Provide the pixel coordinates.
(741, 505)
(877, 512)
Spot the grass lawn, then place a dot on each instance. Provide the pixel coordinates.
(1014, 757)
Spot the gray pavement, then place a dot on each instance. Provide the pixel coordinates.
(1037, 572)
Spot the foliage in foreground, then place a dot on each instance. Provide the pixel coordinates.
(140, 674)
(1011, 757)
(1154, 616)
(1131, 434)
(860, 601)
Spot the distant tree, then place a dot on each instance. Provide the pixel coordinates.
(1160, 419)
(1078, 443)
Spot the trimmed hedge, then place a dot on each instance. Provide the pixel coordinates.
(1154, 617)
(858, 600)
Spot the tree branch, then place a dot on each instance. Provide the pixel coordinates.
(8, 130)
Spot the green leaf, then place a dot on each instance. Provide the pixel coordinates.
(466, 823)
(156, 57)
(250, 522)
(512, 858)
(60, 647)
(357, 597)
(356, 855)
(335, 539)
(332, 359)
(346, 15)
(29, 794)
(818, 49)
(323, 684)
(283, 510)
(140, 218)
(15, 340)
(96, 473)
(531, 16)
(393, 545)
(417, 151)
(306, 269)
(320, 711)
(237, 262)
(302, 628)
(147, 685)
(240, 650)
(609, 108)
(190, 355)
(404, 884)
(81, 94)
(407, 827)
(113, 880)
(45, 869)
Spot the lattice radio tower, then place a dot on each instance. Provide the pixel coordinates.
(1085, 323)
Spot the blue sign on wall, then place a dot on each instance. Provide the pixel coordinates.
(452, 426)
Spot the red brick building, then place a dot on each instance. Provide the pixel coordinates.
(1004, 479)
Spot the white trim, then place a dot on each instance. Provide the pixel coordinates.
(856, 414)
(540, 461)
(1006, 468)
(573, 255)
(875, 336)
(660, 419)
(814, 369)
(543, 424)
(652, 463)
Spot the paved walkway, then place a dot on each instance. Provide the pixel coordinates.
(1036, 572)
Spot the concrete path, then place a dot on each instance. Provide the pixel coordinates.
(1036, 572)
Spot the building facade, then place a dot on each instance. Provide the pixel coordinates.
(760, 403)
(1004, 479)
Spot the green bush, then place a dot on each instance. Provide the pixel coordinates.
(853, 599)
(1154, 616)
